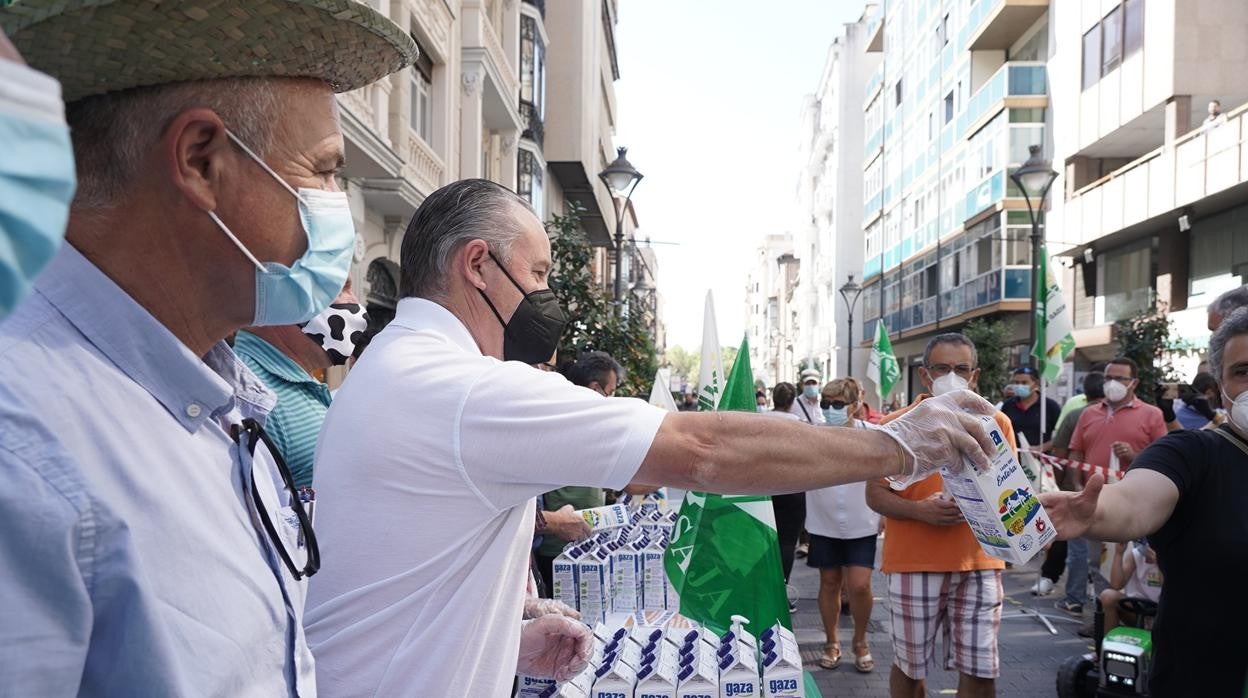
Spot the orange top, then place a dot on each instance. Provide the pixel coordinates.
(914, 546)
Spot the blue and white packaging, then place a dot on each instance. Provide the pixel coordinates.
(615, 678)
(605, 518)
(781, 664)
(655, 588)
(531, 686)
(565, 582)
(657, 676)
(593, 577)
(627, 580)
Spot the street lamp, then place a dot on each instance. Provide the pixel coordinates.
(850, 293)
(621, 179)
(1035, 177)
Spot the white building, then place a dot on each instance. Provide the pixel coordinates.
(828, 238)
(768, 314)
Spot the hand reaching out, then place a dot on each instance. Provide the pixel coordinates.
(941, 431)
(536, 608)
(567, 524)
(1073, 513)
(553, 647)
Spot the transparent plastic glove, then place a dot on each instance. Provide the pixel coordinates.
(941, 431)
(536, 608)
(553, 647)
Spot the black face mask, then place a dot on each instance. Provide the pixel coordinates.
(533, 333)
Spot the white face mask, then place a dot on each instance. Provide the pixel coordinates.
(1115, 391)
(948, 383)
(1238, 408)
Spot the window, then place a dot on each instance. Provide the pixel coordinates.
(942, 32)
(1133, 27)
(1091, 57)
(1111, 41)
(421, 117)
(532, 66)
(948, 107)
(529, 180)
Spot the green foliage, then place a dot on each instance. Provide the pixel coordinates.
(990, 338)
(688, 364)
(1148, 338)
(594, 325)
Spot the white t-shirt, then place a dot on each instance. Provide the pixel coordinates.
(807, 411)
(1145, 582)
(426, 471)
(841, 511)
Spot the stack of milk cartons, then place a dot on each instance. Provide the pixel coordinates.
(565, 579)
(698, 669)
(656, 677)
(738, 662)
(593, 583)
(656, 591)
(627, 574)
(782, 663)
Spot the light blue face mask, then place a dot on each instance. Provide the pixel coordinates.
(810, 391)
(835, 417)
(1022, 392)
(36, 179)
(295, 294)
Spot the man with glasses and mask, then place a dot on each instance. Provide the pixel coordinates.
(446, 424)
(939, 576)
(1024, 408)
(149, 540)
(1186, 494)
(1109, 434)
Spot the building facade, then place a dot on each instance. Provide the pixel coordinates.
(828, 236)
(508, 90)
(769, 310)
(959, 95)
(1153, 202)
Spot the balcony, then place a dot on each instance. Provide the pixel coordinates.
(539, 4)
(1018, 83)
(995, 25)
(534, 128)
(875, 35)
(1203, 164)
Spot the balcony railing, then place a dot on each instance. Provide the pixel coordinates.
(1014, 79)
(539, 4)
(534, 128)
(994, 286)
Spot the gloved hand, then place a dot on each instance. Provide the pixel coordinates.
(566, 524)
(1202, 407)
(1165, 401)
(940, 431)
(535, 608)
(553, 647)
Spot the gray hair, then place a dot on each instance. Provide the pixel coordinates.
(1232, 326)
(956, 338)
(1230, 301)
(451, 217)
(112, 132)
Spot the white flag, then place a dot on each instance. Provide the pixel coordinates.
(711, 376)
(660, 394)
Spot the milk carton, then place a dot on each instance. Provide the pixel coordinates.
(564, 584)
(657, 676)
(738, 677)
(999, 505)
(531, 686)
(654, 592)
(782, 663)
(698, 673)
(627, 579)
(614, 679)
(578, 686)
(593, 585)
(605, 518)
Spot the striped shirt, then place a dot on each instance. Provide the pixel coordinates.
(302, 402)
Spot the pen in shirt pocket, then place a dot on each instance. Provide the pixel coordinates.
(307, 497)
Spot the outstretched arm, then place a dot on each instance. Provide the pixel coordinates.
(1136, 507)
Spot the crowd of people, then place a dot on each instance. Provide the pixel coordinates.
(188, 510)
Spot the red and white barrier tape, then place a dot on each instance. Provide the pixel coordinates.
(1077, 465)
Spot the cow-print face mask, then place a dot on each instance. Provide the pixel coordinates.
(338, 329)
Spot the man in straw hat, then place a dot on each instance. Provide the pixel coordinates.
(150, 542)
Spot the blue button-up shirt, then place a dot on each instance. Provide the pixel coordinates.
(131, 560)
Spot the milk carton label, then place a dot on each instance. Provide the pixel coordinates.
(605, 518)
(654, 579)
(593, 577)
(999, 504)
(626, 579)
(564, 578)
(531, 687)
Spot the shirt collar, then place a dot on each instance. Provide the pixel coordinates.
(420, 314)
(190, 388)
(271, 358)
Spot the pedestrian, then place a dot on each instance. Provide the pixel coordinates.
(689, 403)
(1134, 574)
(940, 581)
(1108, 434)
(1225, 304)
(1023, 408)
(1186, 494)
(790, 509)
(806, 406)
(481, 432)
(37, 180)
(150, 541)
(1078, 400)
(843, 531)
(1216, 116)
(1199, 407)
(285, 357)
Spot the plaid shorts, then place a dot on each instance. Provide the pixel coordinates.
(964, 606)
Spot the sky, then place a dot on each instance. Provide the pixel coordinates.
(710, 96)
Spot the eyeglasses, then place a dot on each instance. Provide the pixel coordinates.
(255, 433)
(963, 370)
(834, 404)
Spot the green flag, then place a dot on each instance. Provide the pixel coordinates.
(1054, 329)
(882, 369)
(724, 556)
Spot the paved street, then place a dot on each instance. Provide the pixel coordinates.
(1029, 654)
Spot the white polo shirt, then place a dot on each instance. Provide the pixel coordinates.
(841, 511)
(426, 471)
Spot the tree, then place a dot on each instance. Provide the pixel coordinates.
(593, 323)
(1147, 338)
(685, 364)
(990, 337)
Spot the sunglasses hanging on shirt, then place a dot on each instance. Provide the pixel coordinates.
(255, 433)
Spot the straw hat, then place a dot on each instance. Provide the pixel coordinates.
(98, 46)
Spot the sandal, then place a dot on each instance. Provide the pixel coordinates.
(831, 658)
(864, 663)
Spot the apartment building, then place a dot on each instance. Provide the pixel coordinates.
(770, 313)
